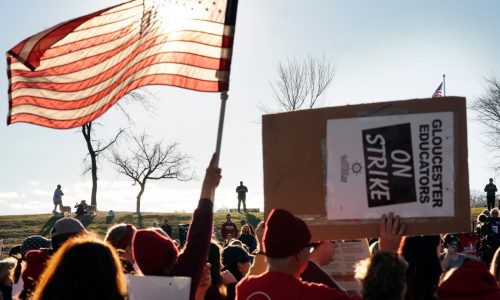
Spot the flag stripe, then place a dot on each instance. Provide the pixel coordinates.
(76, 91)
(49, 118)
(91, 62)
(187, 59)
(91, 96)
(209, 45)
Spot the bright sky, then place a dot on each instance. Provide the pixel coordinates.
(383, 50)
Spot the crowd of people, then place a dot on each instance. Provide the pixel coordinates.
(276, 260)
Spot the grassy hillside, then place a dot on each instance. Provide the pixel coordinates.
(14, 229)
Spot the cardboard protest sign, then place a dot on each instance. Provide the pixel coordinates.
(341, 168)
(157, 287)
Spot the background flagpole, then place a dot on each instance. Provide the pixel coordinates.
(444, 84)
(223, 98)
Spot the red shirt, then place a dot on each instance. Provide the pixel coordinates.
(281, 286)
(467, 244)
(229, 228)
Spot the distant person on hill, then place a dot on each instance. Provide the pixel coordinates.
(81, 208)
(166, 227)
(110, 216)
(242, 196)
(490, 190)
(57, 198)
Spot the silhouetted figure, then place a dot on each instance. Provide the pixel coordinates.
(81, 208)
(110, 216)
(490, 190)
(57, 198)
(242, 196)
(166, 227)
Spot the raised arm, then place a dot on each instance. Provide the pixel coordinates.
(192, 260)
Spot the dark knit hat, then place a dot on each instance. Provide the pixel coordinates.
(285, 235)
(231, 255)
(34, 242)
(153, 252)
(67, 226)
(470, 281)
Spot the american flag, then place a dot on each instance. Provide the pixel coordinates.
(438, 92)
(72, 73)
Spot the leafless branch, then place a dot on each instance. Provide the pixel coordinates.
(301, 81)
(487, 108)
(151, 161)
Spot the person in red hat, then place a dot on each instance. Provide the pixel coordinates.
(470, 281)
(157, 254)
(287, 248)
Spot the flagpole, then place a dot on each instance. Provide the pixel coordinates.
(223, 98)
(444, 84)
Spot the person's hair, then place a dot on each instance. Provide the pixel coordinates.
(7, 267)
(120, 235)
(382, 276)
(495, 265)
(424, 268)
(243, 227)
(214, 258)
(486, 212)
(87, 263)
(228, 215)
(494, 210)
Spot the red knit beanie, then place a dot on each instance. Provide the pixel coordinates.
(36, 260)
(470, 281)
(285, 235)
(153, 252)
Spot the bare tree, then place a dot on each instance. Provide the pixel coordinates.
(151, 162)
(487, 108)
(302, 83)
(477, 198)
(96, 147)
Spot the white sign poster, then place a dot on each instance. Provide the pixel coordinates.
(398, 163)
(158, 287)
(346, 255)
